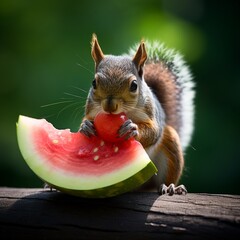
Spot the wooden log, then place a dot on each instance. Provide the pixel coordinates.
(41, 214)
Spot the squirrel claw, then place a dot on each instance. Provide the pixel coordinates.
(172, 189)
(134, 133)
(128, 129)
(47, 186)
(87, 128)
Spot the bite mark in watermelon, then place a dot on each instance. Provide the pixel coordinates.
(82, 166)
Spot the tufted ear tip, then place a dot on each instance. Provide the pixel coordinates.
(97, 53)
(140, 57)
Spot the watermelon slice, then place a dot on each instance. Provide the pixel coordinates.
(82, 166)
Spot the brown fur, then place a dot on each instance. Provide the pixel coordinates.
(146, 131)
(170, 146)
(171, 149)
(162, 83)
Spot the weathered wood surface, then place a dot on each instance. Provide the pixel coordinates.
(41, 214)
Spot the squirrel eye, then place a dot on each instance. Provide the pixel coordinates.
(94, 84)
(133, 86)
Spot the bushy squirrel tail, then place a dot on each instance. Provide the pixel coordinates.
(170, 79)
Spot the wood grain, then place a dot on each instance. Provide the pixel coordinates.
(41, 214)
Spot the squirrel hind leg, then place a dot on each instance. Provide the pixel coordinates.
(172, 189)
(168, 157)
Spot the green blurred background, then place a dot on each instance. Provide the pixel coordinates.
(45, 59)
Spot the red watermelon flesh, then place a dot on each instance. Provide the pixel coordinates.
(77, 153)
(107, 126)
(76, 164)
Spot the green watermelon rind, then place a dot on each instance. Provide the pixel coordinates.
(124, 180)
(125, 186)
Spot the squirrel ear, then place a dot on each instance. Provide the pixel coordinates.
(140, 58)
(97, 53)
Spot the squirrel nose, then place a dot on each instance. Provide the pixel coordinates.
(110, 105)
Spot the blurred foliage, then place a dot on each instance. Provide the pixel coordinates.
(46, 71)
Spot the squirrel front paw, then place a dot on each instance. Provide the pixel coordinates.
(87, 128)
(128, 129)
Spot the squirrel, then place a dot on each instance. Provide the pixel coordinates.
(156, 92)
